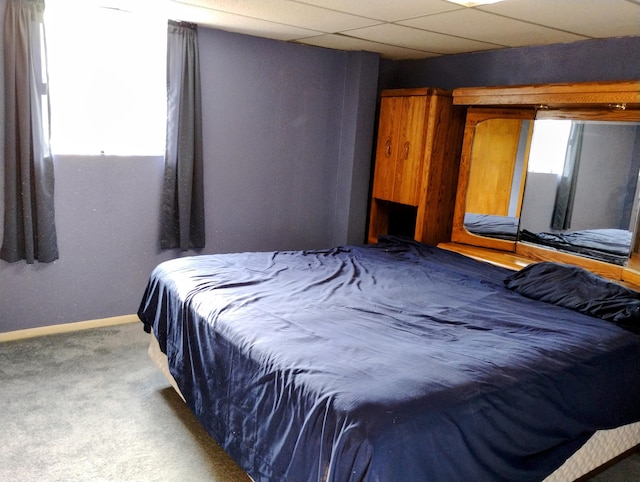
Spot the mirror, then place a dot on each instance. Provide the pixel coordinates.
(581, 191)
(566, 181)
(493, 166)
(498, 166)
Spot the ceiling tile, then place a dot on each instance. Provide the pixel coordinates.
(485, 27)
(342, 42)
(444, 28)
(386, 10)
(592, 18)
(236, 23)
(419, 39)
(289, 13)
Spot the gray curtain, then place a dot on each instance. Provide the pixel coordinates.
(632, 186)
(29, 225)
(565, 195)
(182, 219)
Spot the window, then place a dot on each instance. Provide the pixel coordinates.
(107, 79)
(548, 156)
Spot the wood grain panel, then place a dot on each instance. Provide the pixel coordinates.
(386, 147)
(409, 151)
(493, 159)
(445, 126)
(553, 95)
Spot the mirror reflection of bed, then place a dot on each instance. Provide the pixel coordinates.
(581, 189)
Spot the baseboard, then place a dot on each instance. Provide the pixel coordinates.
(67, 327)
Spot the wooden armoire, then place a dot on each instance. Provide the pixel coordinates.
(419, 140)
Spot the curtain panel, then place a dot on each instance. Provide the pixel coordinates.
(182, 216)
(29, 221)
(566, 192)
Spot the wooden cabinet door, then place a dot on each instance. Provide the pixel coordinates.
(399, 148)
(409, 154)
(386, 148)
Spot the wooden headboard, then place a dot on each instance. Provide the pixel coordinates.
(512, 108)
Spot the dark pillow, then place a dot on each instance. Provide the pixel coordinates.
(580, 290)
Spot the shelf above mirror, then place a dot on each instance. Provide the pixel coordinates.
(612, 95)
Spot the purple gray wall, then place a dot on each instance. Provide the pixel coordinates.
(288, 141)
(288, 132)
(585, 61)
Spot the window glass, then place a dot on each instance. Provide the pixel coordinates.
(548, 154)
(107, 79)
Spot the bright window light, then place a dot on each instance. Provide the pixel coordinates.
(107, 71)
(549, 146)
(476, 3)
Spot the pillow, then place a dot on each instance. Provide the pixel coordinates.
(580, 290)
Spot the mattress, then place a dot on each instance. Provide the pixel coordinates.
(384, 362)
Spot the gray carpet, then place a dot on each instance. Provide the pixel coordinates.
(90, 406)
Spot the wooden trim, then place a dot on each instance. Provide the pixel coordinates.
(67, 327)
(594, 115)
(631, 277)
(492, 256)
(584, 93)
(423, 91)
(527, 254)
(539, 253)
(459, 234)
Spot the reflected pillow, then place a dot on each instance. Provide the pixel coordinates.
(580, 290)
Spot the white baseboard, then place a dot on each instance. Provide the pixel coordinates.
(67, 327)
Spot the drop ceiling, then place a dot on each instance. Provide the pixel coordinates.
(416, 29)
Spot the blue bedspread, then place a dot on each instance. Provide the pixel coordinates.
(395, 361)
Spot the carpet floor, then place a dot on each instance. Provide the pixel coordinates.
(91, 406)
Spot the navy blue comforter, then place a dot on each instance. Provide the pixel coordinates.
(395, 361)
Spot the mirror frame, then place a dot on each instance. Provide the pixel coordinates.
(593, 101)
(459, 234)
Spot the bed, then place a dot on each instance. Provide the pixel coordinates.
(501, 227)
(610, 245)
(393, 361)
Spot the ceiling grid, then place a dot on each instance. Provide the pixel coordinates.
(415, 29)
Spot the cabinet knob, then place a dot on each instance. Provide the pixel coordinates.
(406, 150)
(387, 148)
